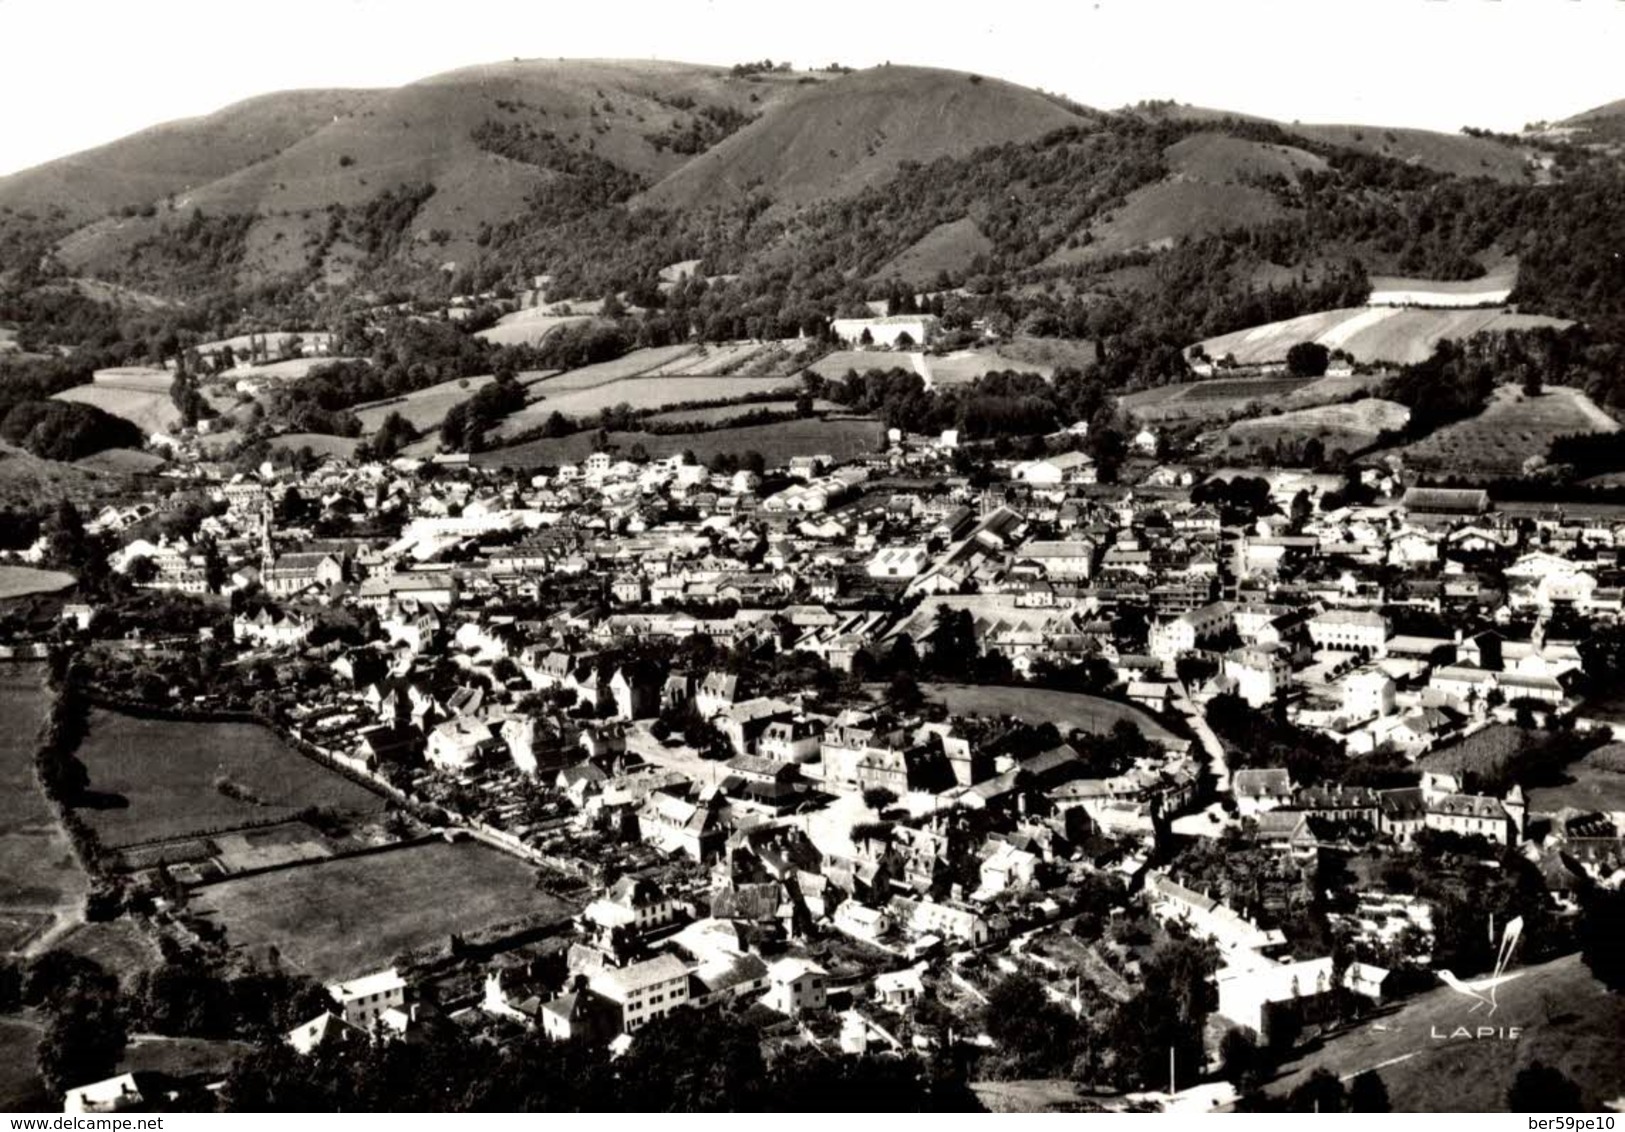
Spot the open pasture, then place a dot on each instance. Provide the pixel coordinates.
(834, 366)
(351, 915)
(23, 581)
(41, 883)
(527, 327)
(1067, 710)
(158, 779)
(424, 409)
(138, 394)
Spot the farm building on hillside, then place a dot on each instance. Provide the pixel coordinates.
(889, 331)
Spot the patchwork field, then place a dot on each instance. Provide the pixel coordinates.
(709, 361)
(21, 581)
(1069, 711)
(347, 916)
(424, 409)
(1157, 216)
(834, 366)
(721, 414)
(1218, 397)
(41, 884)
(162, 779)
(122, 462)
(644, 392)
(527, 326)
(1346, 427)
(28, 481)
(290, 369)
(138, 394)
(1510, 430)
(844, 438)
(1027, 355)
(628, 365)
(318, 442)
(1396, 335)
(1566, 1019)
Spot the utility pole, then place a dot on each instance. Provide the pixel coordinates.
(1173, 1087)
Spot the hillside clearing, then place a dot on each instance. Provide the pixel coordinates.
(1159, 215)
(1042, 356)
(834, 366)
(20, 581)
(842, 438)
(1394, 335)
(1220, 397)
(154, 413)
(28, 481)
(641, 393)
(320, 443)
(424, 409)
(121, 462)
(527, 327)
(719, 415)
(1346, 427)
(950, 247)
(1511, 429)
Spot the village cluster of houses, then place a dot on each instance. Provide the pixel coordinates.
(1338, 619)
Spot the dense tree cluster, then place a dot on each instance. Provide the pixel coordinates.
(466, 423)
(67, 430)
(684, 1062)
(707, 126)
(192, 256)
(582, 182)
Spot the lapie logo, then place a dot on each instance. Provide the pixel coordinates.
(1483, 992)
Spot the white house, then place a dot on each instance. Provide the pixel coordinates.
(272, 628)
(1259, 673)
(1367, 693)
(795, 986)
(1170, 639)
(643, 991)
(364, 1001)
